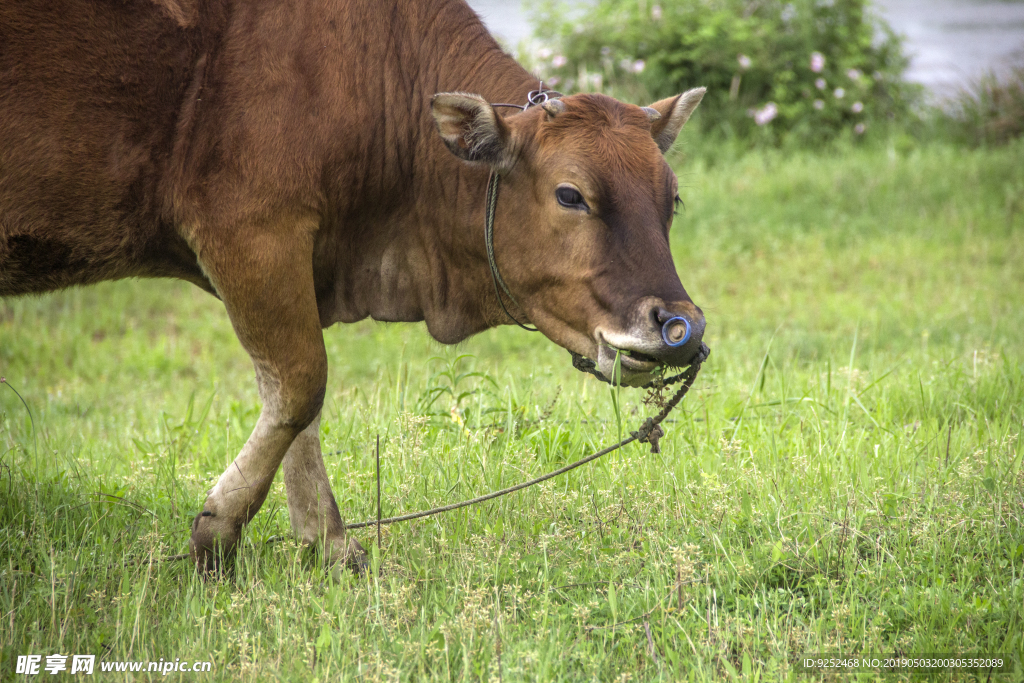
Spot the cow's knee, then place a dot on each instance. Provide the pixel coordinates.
(296, 394)
(307, 407)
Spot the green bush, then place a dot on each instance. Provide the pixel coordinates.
(798, 70)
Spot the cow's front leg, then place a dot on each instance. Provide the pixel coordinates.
(311, 506)
(265, 279)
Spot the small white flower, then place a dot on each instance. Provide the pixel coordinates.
(656, 13)
(638, 66)
(839, 93)
(744, 61)
(554, 80)
(857, 107)
(859, 129)
(544, 53)
(819, 104)
(817, 62)
(854, 74)
(559, 61)
(820, 83)
(766, 114)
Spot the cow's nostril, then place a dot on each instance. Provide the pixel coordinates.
(676, 331)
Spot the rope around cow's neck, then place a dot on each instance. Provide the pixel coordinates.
(490, 204)
(649, 432)
(533, 98)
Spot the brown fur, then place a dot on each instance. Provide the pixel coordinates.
(284, 157)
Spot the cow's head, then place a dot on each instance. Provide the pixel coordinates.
(582, 222)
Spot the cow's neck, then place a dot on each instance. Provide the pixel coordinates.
(424, 258)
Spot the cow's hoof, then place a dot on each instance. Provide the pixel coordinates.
(346, 553)
(212, 546)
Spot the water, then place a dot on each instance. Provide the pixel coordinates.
(951, 42)
(505, 19)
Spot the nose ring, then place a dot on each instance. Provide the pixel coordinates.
(676, 331)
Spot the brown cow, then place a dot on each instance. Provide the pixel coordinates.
(285, 157)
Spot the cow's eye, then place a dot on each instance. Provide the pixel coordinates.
(570, 198)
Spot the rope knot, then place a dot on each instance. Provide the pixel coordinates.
(651, 433)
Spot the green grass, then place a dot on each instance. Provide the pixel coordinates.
(845, 476)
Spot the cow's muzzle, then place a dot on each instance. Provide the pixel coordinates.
(657, 334)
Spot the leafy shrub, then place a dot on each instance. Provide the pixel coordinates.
(805, 70)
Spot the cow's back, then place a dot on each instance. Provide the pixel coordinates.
(136, 134)
(91, 96)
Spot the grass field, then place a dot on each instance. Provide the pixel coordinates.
(844, 478)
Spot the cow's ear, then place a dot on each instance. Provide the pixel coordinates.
(472, 129)
(673, 113)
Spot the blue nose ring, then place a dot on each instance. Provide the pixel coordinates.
(671, 325)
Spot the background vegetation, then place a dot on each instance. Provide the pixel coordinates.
(991, 112)
(810, 69)
(789, 73)
(845, 478)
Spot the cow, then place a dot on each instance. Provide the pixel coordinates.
(310, 162)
